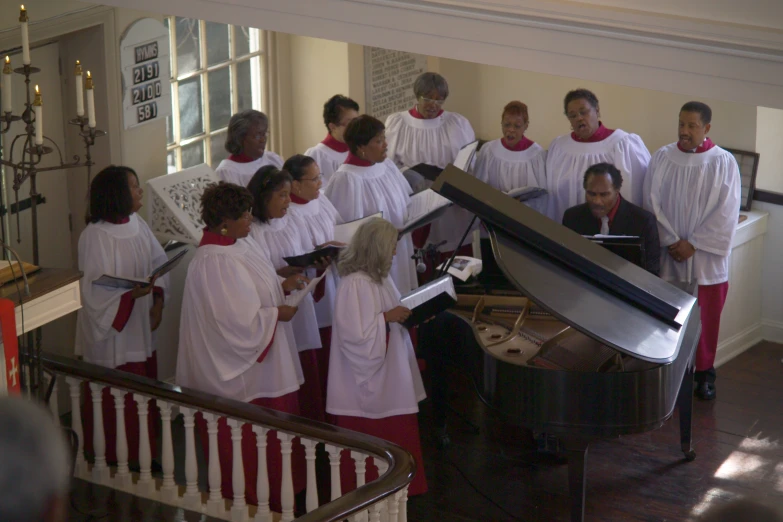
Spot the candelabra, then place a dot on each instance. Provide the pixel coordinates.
(33, 150)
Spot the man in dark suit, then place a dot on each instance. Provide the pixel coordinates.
(606, 212)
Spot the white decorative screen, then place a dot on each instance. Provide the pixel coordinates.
(175, 201)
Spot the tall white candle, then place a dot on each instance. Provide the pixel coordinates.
(38, 108)
(25, 36)
(79, 90)
(7, 71)
(90, 101)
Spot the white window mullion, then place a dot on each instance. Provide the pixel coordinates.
(205, 93)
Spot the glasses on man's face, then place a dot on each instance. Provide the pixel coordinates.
(575, 115)
(429, 101)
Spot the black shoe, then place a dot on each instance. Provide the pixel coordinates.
(706, 391)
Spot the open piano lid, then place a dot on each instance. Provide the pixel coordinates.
(584, 285)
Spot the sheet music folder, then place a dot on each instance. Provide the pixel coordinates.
(429, 300)
(568, 249)
(129, 283)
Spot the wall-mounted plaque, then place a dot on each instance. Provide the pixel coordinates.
(146, 74)
(388, 80)
(748, 166)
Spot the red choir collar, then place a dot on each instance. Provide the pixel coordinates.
(332, 142)
(357, 161)
(299, 201)
(706, 145)
(521, 145)
(416, 114)
(601, 134)
(119, 221)
(211, 238)
(242, 158)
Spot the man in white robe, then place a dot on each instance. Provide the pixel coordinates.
(339, 111)
(693, 188)
(246, 141)
(590, 143)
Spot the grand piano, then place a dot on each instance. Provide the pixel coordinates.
(579, 344)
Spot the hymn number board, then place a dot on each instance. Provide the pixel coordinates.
(144, 54)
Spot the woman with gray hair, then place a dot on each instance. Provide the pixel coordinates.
(428, 134)
(246, 142)
(374, 384)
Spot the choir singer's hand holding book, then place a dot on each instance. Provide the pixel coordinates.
(429, 300)
(315, 257)
(295, 298)
(129, 283)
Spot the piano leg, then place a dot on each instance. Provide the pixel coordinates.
(434, 350)
(685, 404)
(576, 452)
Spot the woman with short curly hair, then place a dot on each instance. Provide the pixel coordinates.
(374, 380)
(235, 334)
(246, 139)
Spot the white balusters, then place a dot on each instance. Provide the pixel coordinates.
(361, 469)
(375, 512)
(54, 406)
(383, 467)
(287, 482)
(168, 489)
(100, 471)
(393, 502)
(122, 477)
(192, 498)
(334, 463)
(239, 507)
(312, 486)
(404, 505)
(145, 486)
(263, 513)
(74, 386)
(215, 505)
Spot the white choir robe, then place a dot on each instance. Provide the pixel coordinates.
(282, 238)
(434, 142)
(357, 192)
(328, 159)
(567, 160)
(695, 197)
(229, 318)
(506, 169)
(318, 218)
(125, 250)
(241, 173)
(367, 377)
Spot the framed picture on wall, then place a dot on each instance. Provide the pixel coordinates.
(748, 166)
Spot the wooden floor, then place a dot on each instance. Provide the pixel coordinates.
(494, 476)
(738, 439)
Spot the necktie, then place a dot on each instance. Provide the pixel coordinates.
(605, 225)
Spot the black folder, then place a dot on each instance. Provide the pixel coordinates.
(310, 258)
(439, 294)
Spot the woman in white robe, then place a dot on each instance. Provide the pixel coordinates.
(513, 161)
(246, 142)
(428, 134)
(312, 212)
(374, 380)
(339, 111)
(114, 326)
(278, 235)
(590, 143)
(367, 183)
(235, 334)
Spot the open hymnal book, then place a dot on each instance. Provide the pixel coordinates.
(344, 233)
(609, 236)
(429, 300)
(423, 208)
(128, 283)
(295, 298)
(526, 193)
(311, 258)
(463, 267)
(465, 156)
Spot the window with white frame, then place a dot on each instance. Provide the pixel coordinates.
(216, 70)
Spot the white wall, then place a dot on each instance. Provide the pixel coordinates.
(769, 145)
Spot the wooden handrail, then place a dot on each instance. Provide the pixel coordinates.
(401, 464)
